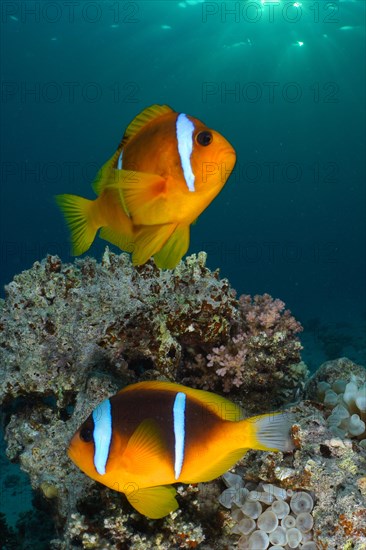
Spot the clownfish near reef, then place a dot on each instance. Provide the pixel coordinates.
(167, 169)
(153, 434)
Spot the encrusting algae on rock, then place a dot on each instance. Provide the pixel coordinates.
(73, 335)
(112, 316)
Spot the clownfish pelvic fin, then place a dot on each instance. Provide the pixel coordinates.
(154, 502)
(174, 249)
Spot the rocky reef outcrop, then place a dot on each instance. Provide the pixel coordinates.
(73, 334)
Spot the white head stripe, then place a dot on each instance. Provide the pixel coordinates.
(119, 163)
(185, 129)
(102, 435)
(179, 431)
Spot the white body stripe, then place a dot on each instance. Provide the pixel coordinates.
(102, 435)
(119, 163)
(179, 416)
(184, 130)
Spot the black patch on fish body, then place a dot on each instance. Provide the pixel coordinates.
(130, 408)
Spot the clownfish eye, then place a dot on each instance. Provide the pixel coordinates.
(204, 138)
(86, 434)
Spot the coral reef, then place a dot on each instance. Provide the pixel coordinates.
(344, 398)
(330, 372)
(73, 334)
(347, 402)
(267, 516)
(261, 360)
(107, 314)
(266, 341)
(331, 468)
(74, 319)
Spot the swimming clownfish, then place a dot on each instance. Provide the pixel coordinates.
(167, 169)
(153, 434)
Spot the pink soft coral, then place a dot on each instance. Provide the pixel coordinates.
(265, 313)
(266, 342)
(258, 357)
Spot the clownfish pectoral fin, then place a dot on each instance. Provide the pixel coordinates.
(143, 118)
(154, 502)
(146, 446)
(149, 240)
(174, 249)
(124, 242)
(81, 217)
(145, 197)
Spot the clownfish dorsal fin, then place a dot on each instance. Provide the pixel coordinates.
(145, 446)
(143, 118)
(106, 174)
(154, 502)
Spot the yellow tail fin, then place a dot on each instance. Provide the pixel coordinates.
(79, 217)
(269, 432)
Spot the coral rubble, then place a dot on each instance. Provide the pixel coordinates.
(73, 334)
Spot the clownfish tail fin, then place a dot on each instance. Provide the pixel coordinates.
(270, 432)
(80, 217)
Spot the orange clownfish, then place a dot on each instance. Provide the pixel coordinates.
(167, 169)
(153, 434)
